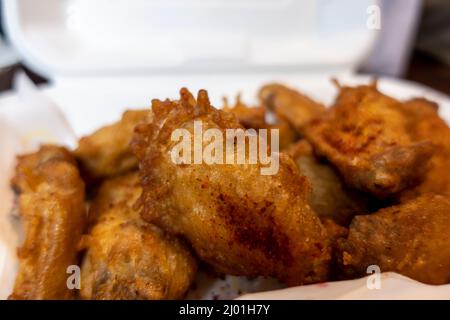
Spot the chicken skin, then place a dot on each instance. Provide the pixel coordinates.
(255, 118)
(288, 104)
(53, 213)
(425, 124)
(365, 136)
(412, 239)
(330, 198)
(237, 220)
(127, 258)
(106, 152)
(248, 117)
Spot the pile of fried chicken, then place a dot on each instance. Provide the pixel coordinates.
(364, 182)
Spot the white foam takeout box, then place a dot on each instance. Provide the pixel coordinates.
(106, 56)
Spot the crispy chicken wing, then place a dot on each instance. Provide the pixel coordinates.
(330, 198)
(127, 258)
(255, 118)
(365, 136)
(290, 105)
(237, 220)
(412, 239)
(425, 124)
(288, 135)
(106, 152)
(248, 117)
(53, 213)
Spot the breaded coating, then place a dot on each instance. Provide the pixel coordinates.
(106, 152)
(412, 239)
(121, 191)
(248, 117)
(127, 258)
(289, 104)
(425, 124)
(365, 136)
(237, 220)
(288, 135)
(255, 118)
(334, 231)
(330, 198)
(53, 213)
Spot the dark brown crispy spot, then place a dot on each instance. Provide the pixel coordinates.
(253, 225)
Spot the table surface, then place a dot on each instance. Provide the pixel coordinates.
(422, 69)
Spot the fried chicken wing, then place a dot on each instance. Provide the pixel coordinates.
(365, 136)
(248, 117)
(288, 135)
(425, 124)
(255, 118)
(106, 152)
(237, 220)
(127, 258)
(290, 105)
(412, 239)
(330, 198)
(53, 213)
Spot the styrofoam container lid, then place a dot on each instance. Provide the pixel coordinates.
(66, 38)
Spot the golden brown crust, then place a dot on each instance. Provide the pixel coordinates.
(248, 117)
(290, 105)
(425, 124)
(122, 190)
(365, 136)
(411, 239)
(26, 176)
(127, 258)
(255, 118)
(330, 198)
(53, 213)
(334, 231)
(237, 220)
(106, 152)
(288, 135)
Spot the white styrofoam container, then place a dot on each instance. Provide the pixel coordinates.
(68, 38)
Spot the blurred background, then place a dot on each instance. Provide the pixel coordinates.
(411, 42)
